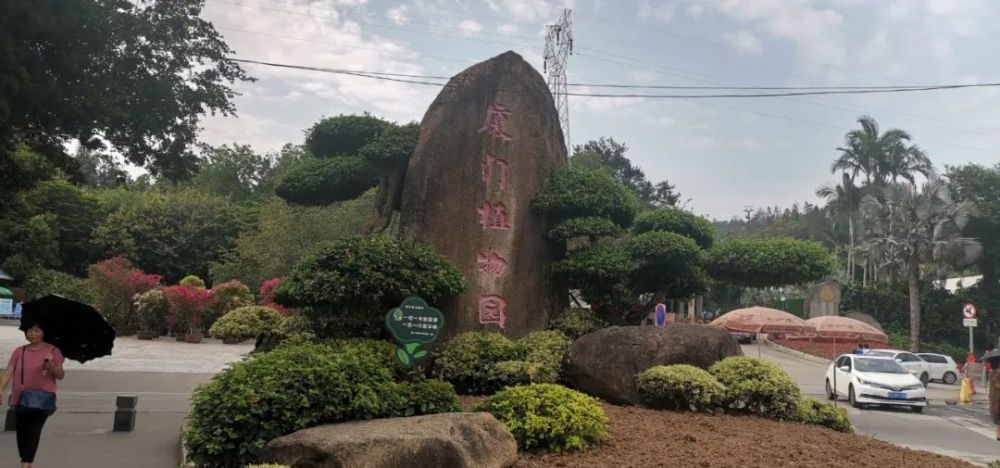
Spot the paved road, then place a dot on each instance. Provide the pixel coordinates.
(958, 431)
(162, 373)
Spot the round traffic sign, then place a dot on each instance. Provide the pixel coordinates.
(969, 311)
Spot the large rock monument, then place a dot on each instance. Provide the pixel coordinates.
(488, 143)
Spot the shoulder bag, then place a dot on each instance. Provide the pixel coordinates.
(34, 401)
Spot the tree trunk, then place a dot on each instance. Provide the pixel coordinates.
(850, 253)
(390, 192)
(914, 276)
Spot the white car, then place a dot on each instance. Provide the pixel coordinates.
(942, 367)
(874, 380)
(918, 367)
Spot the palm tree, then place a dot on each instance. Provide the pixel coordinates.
(880, 157)
(923, 227)
(845, 199)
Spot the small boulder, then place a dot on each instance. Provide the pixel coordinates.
(604, 363)
(449, 439)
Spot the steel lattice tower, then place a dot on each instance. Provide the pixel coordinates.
(558, 48)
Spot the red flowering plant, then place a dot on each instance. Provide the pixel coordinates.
(229, 295)
(188, 306)
(115, 283)
(268, 290)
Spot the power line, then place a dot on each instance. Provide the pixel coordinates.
(389, 77)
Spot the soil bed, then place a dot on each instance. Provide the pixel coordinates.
(647, 438)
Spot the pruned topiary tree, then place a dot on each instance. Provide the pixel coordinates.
(760, 263)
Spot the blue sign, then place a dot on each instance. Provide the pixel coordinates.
(660, 316)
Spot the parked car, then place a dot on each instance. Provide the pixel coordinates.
(942, 367)
(874, 380)
(918, 367)
(742, 337)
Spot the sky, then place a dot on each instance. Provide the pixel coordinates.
(722, 154)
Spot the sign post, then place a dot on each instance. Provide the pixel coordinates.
(969, 320)
(660, 315)
(412, 324)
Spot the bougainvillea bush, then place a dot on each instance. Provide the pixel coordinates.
(114, 283)
(266, 295)
(229, 295)
(187, 308)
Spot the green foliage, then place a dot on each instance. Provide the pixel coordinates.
(601, 271)
(324, 181)
(757, 387)
(348, 285)
(343, 135)
(680, 387)
(295, 387)
(608, 156)
(268, 465)
(592, 228)
(509, 373)
(235, 172)
(244, 323)
(29, 245)
(981, 186)
(546, 349)
(576, 193)
(823, 414)
(192, 281)
(72, 214)
(393, 146)
(152, 308)
(677, 221)
(668, 263)
(467, 360)
(171, 233)
(42, 282)
(576, 322)
(295, 323)
(228, 296)
(548, 417)
(285, 233)
(769, 262)
(150, 70)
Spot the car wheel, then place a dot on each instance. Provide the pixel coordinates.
(829, 391)
(950, 378)
(917, 409)
(925, 379)
(851, 398)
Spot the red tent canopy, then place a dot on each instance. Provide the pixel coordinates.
(763, 320)
(833, 326)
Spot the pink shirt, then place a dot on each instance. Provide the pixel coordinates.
(35, 375)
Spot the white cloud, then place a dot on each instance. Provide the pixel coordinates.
(470, 27)
(529, 10)
(744, 42)
(663, 12)
(695, 10)
(508, 29)
(398, 15)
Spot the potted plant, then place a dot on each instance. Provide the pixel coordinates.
(187, 307)
(152, 308)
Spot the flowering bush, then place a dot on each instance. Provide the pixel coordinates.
(187, 308)
(114, 283)
(268, 290)
(192, 281)
(228, 296)
(152, 308)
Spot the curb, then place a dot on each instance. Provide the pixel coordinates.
(800, 354)
(183, 450)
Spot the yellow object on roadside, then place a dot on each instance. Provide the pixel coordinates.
(965, 392)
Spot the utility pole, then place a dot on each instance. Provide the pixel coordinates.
(749, 212)
(558, 48)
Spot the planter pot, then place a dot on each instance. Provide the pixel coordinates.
(146, 335)
(231, 340)
(180, 337)
(193, 338)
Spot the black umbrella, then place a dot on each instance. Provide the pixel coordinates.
(992, 356)
(77, 329)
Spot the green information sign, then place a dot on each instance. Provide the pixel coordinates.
(412, 324)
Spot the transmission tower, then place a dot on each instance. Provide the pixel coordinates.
(558, 48)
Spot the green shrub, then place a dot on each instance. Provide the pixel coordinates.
(548, 416)
(823, 414)
(576, 322)
(678, 221)
(229, 296)
(510, 373)
(757, 387)
(467, 360)
(152, 308)
(546, 349)
(424, 397)
(348, 285)
(577, 193)
(295, 323)
(276, 393)
(192, 281)
(383, 351)
(590, 227)
(42, 282)
(244, 323)
(268, 465)
(680, 387)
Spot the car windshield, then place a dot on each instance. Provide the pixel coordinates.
(885, 366)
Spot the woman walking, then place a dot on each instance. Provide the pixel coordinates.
(33, 369)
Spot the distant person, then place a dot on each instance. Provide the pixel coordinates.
(860, 349)
(34, 367)
(865, 349)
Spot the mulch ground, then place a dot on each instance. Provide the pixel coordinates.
(642, 437)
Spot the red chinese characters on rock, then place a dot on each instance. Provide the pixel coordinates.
(491, 262)
(493, 215)
(496, 122)
(488, 163)
(492, 309)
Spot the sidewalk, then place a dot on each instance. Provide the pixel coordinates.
(162, 373)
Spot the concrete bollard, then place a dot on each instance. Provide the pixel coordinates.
(9, 421)
(125, 408)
